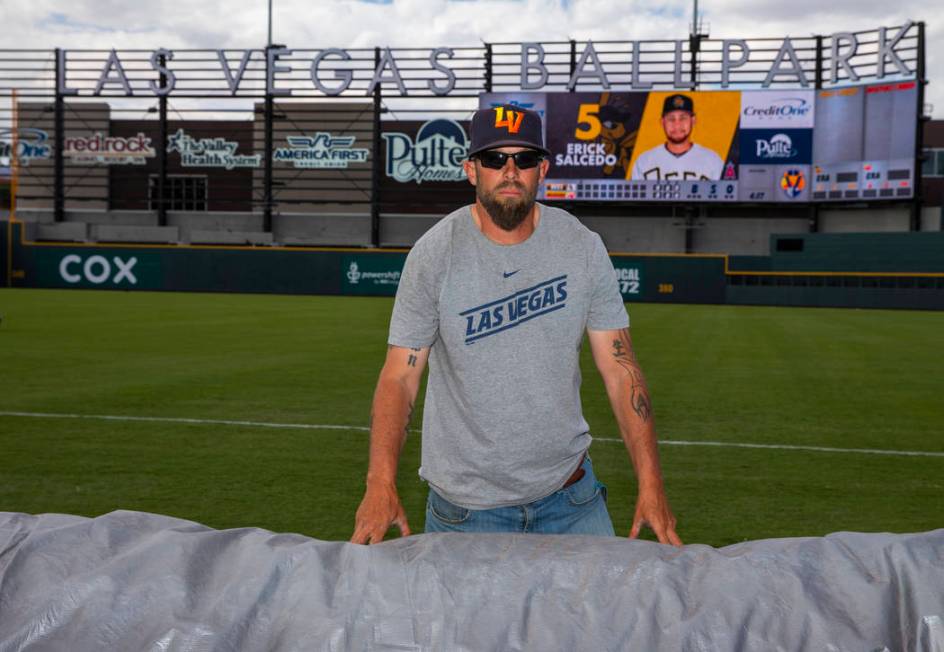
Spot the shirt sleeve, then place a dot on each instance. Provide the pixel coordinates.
(415, 320)
(607, 311)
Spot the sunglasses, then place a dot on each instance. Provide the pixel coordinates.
(495, 160)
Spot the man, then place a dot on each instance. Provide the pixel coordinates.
(496, 298)
(678, 157)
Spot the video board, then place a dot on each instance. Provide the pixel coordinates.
(864, 142)
(788, 146)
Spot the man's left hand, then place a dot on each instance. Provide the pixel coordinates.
(653, 509)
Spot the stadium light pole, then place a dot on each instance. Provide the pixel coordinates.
(269, 42)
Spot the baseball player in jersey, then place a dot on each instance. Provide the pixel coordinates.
(496, 298)
(678, 157)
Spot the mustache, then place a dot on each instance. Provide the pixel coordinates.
(510, 184)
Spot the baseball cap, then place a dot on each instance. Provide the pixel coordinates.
(506, 125)
(678, 102)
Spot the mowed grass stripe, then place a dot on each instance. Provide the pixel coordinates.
(324, 426)
(189, 421)
(758, 376)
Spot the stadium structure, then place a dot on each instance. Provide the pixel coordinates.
(312, 171)
(826, 186)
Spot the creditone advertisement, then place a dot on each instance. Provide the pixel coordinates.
(31, 144)
(776, 145)
(786, 146)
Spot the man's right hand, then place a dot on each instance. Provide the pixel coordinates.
(380, 508)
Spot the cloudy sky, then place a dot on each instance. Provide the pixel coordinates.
(368, 23)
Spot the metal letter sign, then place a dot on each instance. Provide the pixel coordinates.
(525, 66)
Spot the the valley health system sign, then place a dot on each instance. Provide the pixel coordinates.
(209, 152)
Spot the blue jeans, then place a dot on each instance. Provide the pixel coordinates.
(577, 509)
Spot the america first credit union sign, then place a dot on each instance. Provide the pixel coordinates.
(332, 71)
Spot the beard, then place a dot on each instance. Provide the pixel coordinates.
(676, 139)
(510, 212)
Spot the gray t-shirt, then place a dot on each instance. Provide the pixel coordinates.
(502, 422)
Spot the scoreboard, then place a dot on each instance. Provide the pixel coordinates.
(669, 190)
(785, 146)
(864, 142)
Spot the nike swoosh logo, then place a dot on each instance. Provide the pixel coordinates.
(507, 274)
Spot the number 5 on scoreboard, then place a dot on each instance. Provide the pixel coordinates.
(587, 115)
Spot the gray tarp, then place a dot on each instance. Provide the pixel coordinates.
(133, 581)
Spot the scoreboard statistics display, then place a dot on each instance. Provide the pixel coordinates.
(864, 142)
(854, 143)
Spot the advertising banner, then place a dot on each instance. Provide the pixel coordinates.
(209, 152)
(670, 278)
(100, 149)
(95, 268)
(776, 145)
(432, 151)
(31, 144)
(423, 170)
(323, 150)
(785, 109)
(372, 274)
(694, 279)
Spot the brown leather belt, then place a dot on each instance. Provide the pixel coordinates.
(576, 475)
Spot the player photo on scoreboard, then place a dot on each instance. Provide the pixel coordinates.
(687, 136)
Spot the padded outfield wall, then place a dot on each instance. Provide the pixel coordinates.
(759, 280)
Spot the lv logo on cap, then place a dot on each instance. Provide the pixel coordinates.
(512, 122)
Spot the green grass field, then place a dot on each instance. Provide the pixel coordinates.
(774, 376)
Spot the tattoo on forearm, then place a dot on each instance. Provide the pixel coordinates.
(626, 358)
(618, 349)
(641, 402)
(412, 359)
(409, 418)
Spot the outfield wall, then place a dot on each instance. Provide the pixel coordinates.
(860, 270)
